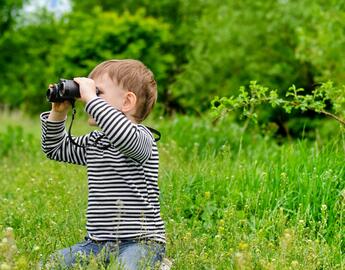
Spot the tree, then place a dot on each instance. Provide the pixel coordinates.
(277, 43)
(8, 11)
(38, 54)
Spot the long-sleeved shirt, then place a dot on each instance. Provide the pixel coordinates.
(122, 166)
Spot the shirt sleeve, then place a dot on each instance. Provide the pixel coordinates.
(56, 144)
(133, 140)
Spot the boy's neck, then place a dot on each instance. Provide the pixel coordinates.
(130, 117)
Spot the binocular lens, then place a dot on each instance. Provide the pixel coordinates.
(49, 93)
(64, 90)
(52, 94)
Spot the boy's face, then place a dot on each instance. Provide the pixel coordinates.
(111, 92)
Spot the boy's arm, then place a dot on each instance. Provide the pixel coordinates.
(133, 140)
(55, 142)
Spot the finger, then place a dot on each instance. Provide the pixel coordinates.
(77, 79)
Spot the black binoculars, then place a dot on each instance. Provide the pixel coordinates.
(64, 90)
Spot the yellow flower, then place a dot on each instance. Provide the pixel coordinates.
(242, 245)
(207, 195)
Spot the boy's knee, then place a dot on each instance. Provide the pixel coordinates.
(139, 256)
(64, 259)
(132, 257)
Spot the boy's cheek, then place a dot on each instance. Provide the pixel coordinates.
(91, 121)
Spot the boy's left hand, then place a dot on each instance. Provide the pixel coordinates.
(87, 88)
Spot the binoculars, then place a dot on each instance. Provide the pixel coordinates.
(64, 90)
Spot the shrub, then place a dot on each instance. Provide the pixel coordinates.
(277, 43)
(39, 54)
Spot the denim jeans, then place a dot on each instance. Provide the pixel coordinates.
(129, 254)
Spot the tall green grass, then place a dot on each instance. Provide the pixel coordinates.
(230, 200)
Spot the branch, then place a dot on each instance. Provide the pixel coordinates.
(257, 95)
(341, 121)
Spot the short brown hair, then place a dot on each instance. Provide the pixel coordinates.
(133, 76)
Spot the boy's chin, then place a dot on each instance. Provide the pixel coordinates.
(92, 122)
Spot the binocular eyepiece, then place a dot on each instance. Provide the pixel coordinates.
(64, 90)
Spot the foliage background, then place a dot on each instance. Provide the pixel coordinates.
(232, 196)
(198, 49)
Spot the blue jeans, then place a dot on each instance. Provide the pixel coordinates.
(129, 254)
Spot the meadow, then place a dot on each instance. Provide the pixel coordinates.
(230, 199)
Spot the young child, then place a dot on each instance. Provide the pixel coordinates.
(123, 213)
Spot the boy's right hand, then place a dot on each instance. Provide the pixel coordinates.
(61, 107)
(59, 110)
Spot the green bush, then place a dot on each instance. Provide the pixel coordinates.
(38, 54)
(99, 36)
(277, 43)
(25, 69)
(197, 49)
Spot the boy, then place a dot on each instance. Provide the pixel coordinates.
(123, 213)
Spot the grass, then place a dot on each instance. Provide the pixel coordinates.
(228, 201)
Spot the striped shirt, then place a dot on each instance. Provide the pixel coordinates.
(122, 166)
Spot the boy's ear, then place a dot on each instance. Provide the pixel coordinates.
(129, 102)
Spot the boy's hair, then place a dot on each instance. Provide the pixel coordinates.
(133, 76)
